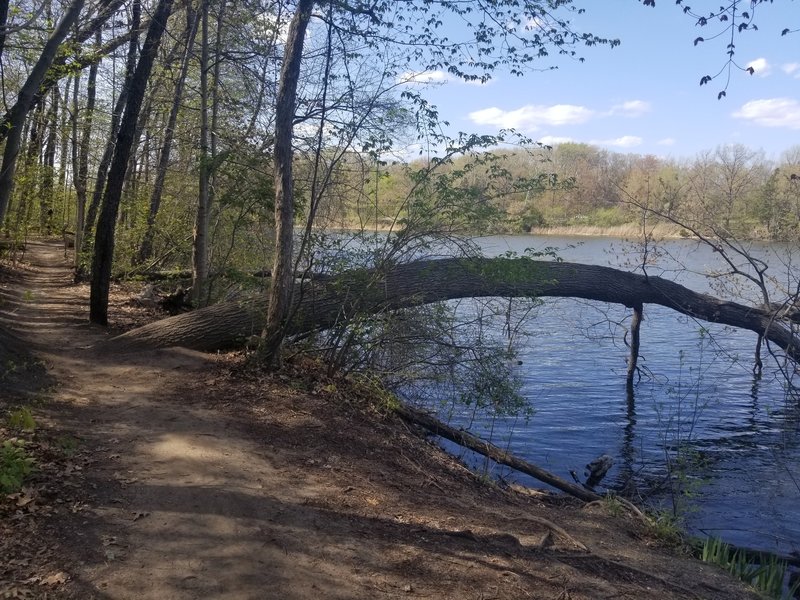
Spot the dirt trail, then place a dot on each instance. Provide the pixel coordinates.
(202, 486)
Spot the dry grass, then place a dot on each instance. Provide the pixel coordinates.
(659, 231)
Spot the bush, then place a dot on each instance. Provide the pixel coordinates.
(609, 217)
(15, 466)
(533, 218)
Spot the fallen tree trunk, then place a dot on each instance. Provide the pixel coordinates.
(319, 306)
(499, 456)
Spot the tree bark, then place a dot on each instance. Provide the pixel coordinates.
(80, 169)
(633, 357)
(25, 100)
(64, 138)
(3, 23)
(200, 234)
(320, 306)
(280, 293)
(104, 236)
(213, 136)
(146, 247)
(30, 168)
(108, 151)
(47, 176)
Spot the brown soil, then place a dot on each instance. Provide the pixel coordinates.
(170, 474)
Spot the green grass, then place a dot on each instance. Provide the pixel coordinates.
(667, 527)
(765, 572)
(21, 419)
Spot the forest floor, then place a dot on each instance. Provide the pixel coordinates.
(171, 474)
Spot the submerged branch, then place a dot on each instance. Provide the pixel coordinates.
(476, 444)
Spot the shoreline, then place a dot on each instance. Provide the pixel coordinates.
(658, 232)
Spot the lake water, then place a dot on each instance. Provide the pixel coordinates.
(739, 437)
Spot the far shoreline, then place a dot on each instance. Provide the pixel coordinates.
(659, 231)
(629, 231)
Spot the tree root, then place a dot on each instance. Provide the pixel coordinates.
(627, 504)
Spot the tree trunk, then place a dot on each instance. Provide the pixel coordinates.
(3, 23)
(18, 112)
(280, 293)
(108, 151)
(104, 236)
(64, 140)
(633, 357)
(200, 235)
(213, 137)
(322, 305)
(30, 168)
(81, 163)
(146, 247)
(47, 188)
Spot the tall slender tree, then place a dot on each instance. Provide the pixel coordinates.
(104, 235)
(146, 247)
(80, 152)
(24, 103)
(116, 116)
(280, 294)
(200, 236)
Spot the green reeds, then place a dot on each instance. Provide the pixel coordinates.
(765, 572)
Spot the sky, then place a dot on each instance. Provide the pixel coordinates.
(644, 96)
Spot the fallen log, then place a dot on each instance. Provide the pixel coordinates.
(462, 438)
(320, 305)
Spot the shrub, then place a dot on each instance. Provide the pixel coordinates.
(15, 466)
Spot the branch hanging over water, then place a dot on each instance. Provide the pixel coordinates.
(318, 306)
(475, 444)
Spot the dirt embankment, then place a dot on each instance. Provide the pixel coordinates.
(170, 474)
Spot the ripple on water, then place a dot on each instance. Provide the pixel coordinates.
(740, 436)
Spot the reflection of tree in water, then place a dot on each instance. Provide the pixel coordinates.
(627, 452)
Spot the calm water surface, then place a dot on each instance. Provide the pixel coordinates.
(740, 435)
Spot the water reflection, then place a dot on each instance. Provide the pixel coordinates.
(628, 450)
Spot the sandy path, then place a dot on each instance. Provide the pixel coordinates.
(188, 506)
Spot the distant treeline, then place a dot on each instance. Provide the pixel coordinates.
(733, 190)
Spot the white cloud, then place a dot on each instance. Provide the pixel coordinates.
(771, 112)
(666, 142)
(761, 67)
(631, 108)
(791, 69)
(531, 117)
(554, 140)
(625, 141)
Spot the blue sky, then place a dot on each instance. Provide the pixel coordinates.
(644, 95)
